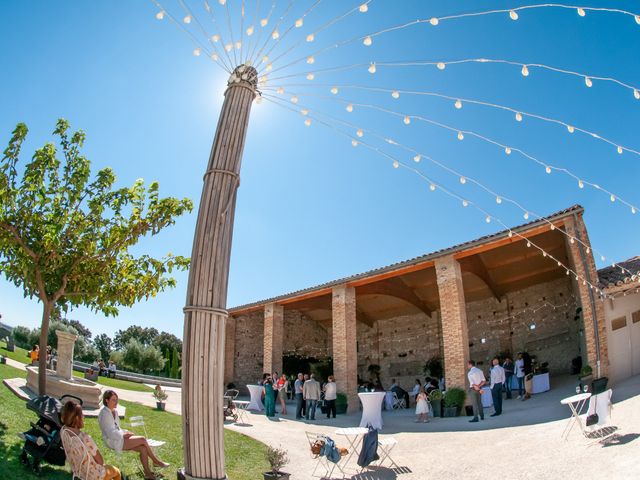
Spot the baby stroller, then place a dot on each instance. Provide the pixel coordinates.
(229, 408)
(42, 442)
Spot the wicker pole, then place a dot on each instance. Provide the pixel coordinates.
(205, 314)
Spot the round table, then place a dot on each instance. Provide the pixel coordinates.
(576, 403)
(256, 398)
(372, 409)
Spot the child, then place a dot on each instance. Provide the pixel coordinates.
(422, 407)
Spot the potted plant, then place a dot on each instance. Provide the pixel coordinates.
(160, 395)
(341, 403)
(435, 398)
(453, 401)
(585, 376)
(277, 458)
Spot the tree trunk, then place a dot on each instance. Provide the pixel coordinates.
(205, 314)
(44, 335)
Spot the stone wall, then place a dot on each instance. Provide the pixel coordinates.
(304, 336)
(248, 358)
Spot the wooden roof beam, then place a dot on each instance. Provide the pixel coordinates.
(395, 287)
(476, 266)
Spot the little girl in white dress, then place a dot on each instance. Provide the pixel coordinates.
(422, 408)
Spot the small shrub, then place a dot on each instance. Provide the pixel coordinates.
(454, 397)
(586, 371)
(159, 394)
(435, 395)
(341, 399)
(276, 457)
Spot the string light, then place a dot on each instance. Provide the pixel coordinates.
(434, 21)
(250, 30)
(507, 150)
(570, 128)
(619, 149)
(359, 133)
(581, 12)
(498, 200)
(513, 15)
(294, 99)
(280, 90)
(488, 219)
(547, 169)
(460, 136)
(310, 76)
(334, 90)
(275, 34)
(187, 19)
(406, 120)
(307, 122)
(299, 22)
(526, 215)
(354, 143)
(518, 117)
(197, 51)
(432, 187)
(264, 22)
(636, 93)
(364, 8)
(349, 108)
(395, 94)
(418, 157)
(396, 164)
(463, 180)
(458, 104)
(441, 65)
(525, 71)
(367, 41)
(588, 82)
(372, 68)
(160, 15)
(311, 37)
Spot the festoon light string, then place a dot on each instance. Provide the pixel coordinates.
(433, 186)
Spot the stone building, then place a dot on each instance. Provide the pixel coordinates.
(496, 294)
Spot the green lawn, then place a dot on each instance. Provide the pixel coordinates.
(20, 355)
(244, 456)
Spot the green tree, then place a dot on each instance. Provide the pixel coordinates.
(166, 342)
(22, 337)
(65, 238)
(175, 365)
(103, 344)
(141, 358)
(144, 335)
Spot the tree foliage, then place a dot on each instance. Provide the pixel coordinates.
(144, 335)
(104, 345)
(142, 358)
(167, 342)
(65, 237)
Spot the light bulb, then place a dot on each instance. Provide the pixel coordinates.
(269, 67)
(559, 264)
(250, 30)
(528, 244)
(238, 45)
(518, 117)
(580, 184)
(294, 99)
(588, 82)
(507, 150)
(567, 272)
(214, 57)
(280, 90)
(525, 71)
(310, 76)
(460, 136)
(311, 37)
(275, 35)
(349, 108)
(633, 210)
(406, 120)
(222, 2)
(372, 68)
(441, 65)
(513, 15)
(259, 100)
(432, 187)
(547, 169)
(364, 8)
(160, 15)
(602, 257)
(395, 94)
(304, 111)
(620, 150)
(510, 234)
(463, 180)
(572, 240)
(265, 59)
(367, 41)
(612, 198)
(581, 12)
(488, 219)
(197, 51)
(359, 133)
(311, 60)
(571, 129)
(465, 203)
(307, 122)
(636, 93)
(418, 157)
(526, 215)
(434, 21)
(498, 200)
(228, 47)
(637, 17)
(354, 143)
(264, 22)
(334, 90)
(458, 104)
(299, 23)
(396, 164)
(588, 250)
(544, 254)
(187, 19)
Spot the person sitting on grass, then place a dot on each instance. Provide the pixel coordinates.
(92, 466)
(117, 439)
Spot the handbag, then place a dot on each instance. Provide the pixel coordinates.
(593, 418)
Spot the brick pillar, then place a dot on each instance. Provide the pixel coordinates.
(453, 318)
(273, 338)
(345, 356)
(584, 265)
(229, 349)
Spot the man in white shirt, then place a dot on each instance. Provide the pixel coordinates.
(311, 395)
(520, 374)
(476, 381)
(497, 381)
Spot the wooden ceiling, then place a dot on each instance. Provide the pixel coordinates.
(490, 272)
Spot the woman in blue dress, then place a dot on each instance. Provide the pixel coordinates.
(269, 398)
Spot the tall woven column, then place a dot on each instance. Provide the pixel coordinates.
(205, 311)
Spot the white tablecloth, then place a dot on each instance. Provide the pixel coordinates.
(388, 401)
(487, 399)
(372, 409)
(256, 398)
(540, 383)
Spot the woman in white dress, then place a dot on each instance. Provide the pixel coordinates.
(422, 407)
(117, 439)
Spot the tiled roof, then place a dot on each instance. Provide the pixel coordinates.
(614, 276)
(413, 261)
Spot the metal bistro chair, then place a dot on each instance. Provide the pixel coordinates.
(77, 454)
(139, 422)
(398, 402)
(316, 442)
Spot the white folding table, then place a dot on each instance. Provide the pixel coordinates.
(372, 409)
(353, 436)
(576, 403)
(256, 398)
(241, 407)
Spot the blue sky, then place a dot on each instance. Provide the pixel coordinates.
(311, 208)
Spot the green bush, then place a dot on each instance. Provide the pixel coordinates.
(586, 371)
(454, 397)
(435, 395)
(341, 399)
